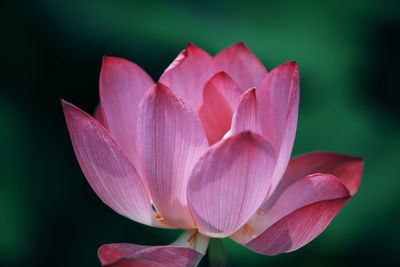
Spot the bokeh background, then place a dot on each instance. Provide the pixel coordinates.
(348, 53)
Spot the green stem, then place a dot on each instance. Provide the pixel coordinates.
(216, 253)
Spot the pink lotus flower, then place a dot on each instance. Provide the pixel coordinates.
(208, 146)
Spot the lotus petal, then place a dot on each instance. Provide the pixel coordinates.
(308, 190)
(229, 183)
(278, 101)
(107, 168)
(188, 74)
(297, 229)
(130, 255)
(246, 117)
(220, 97)
(122, 86)
(242, 65)
(347, 168)
(187, 250)
(171, 139)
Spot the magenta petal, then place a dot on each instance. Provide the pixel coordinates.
(220, 97)
(278, 101)
(305, 191)
(347, 171)
(188, 74)
(126, 255)
(122, 86)
(242, 65)
(171, 139)
(297, 229)
(107, 168)
(246, 117)
(347, 168)
(229, 183)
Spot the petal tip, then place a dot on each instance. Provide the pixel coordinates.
(64, 102)
(190, 47)
(109, 254)
(250, 135)
(67, 106)
(106, 59)
(159, 88)
(294, 66)
(100, 253)
(255, 139)
(116, 60)
(250, 92)
(239, 44)
(247, 134)
(291, 64)
(218, 75)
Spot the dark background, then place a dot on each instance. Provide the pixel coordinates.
(348, 55)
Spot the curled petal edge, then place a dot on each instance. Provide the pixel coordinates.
(298, 228)
(187, 250)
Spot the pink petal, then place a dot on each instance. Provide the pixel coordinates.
(220, 97)
(278, 101)
(107, 168)
(171, 139)
(246, 117)
(229, 183)
(122, 86)
(347, 168)
(188, 74)
(305, 191)
(297, 229)
(125, 255)
(242, 65)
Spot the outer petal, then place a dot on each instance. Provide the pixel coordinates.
(347, 168)
(187, 250)
(246, 117)
(242, 65)
(171, 139)
(305, 191)
(188, 74)
(278, 101)
(297, 229)
(125, 255)
(107, 169)
(220, 97)
(229, 183)
(122, 86)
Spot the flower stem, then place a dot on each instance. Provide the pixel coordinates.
(216, 253)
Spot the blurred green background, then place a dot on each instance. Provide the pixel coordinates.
(348, 54)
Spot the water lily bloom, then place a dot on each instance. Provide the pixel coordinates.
(207, 149)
